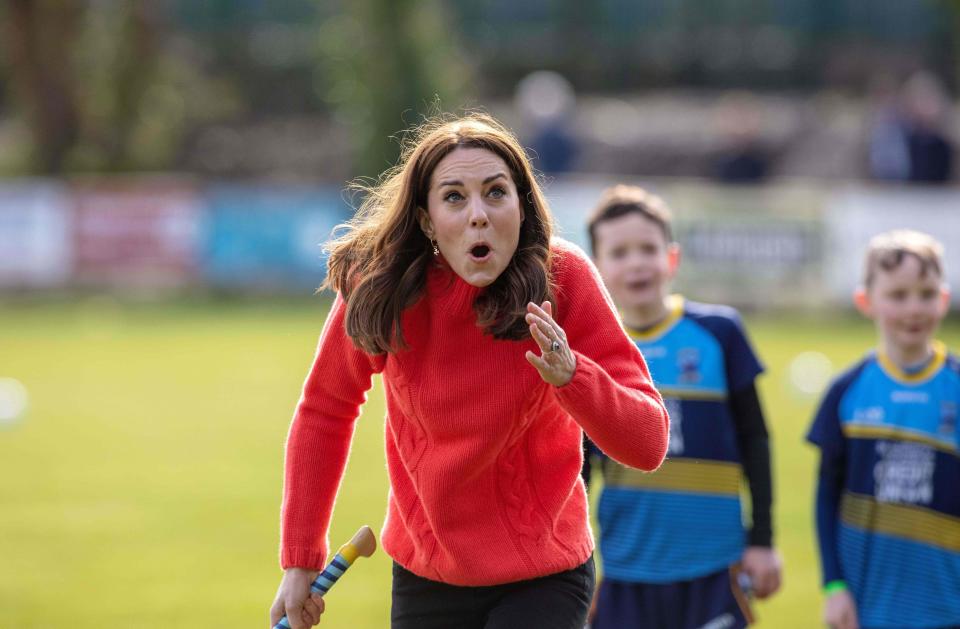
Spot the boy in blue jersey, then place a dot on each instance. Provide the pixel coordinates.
(888, 497)
(671, 539)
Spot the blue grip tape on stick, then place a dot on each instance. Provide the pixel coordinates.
(362, 545)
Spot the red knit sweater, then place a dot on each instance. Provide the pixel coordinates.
(484, 457)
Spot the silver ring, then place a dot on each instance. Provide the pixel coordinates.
(555, 346)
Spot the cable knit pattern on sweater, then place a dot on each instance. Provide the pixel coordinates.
(484, 457)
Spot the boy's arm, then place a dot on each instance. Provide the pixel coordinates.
(840, 609)
(754, 442)
(587, 466)
(826, 433)
(760, 560)
(829, 489)
(742, 368)
(592, 458)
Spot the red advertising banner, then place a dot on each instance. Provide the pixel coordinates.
(138, 233)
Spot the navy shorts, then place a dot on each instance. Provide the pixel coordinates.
(705, 603)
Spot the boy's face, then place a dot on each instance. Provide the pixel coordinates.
(635, 260)
(906, 306)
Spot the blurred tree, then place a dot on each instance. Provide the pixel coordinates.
(38, 38)
(136, 66)
(954, 7)
(384, 64)
(100, 87)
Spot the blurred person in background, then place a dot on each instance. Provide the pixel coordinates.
(888, 156)
(546, 102)
(673, 542)
(929, 145)
(742, 158)
(888, 501)
(908, 139)
(498, 347)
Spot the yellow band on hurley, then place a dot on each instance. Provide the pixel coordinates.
(349, 553)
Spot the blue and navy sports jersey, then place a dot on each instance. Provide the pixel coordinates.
(684, 520)
(895, 437)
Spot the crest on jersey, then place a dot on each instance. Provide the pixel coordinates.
(688, 361)
(948, 418)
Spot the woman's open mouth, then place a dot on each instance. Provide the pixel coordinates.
(480, 252)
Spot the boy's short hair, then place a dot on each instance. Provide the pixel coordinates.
(887, 251)
(621, 200)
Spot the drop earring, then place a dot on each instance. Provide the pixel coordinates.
(436, 249)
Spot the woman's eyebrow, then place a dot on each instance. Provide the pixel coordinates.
(457, 182)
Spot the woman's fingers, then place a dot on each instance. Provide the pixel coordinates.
(545, 313)
(312, 608)
(541, 323)
(545, 317)
(544, 330)
(276, 613)
(537, 362)
(543, 341)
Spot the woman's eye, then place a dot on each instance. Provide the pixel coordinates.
(453, 197)
(497, 193)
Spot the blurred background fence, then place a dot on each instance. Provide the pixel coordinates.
(797, 241)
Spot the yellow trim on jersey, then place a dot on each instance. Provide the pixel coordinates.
(695, 476)
(897, 373)
(910, 522)
(674, 314)
(860, 431)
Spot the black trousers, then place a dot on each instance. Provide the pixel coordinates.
(556, 601)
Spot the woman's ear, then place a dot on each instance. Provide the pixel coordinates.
(426, 225)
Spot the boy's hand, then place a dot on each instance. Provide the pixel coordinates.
(763, 565)
(840, 612)
(556, 363)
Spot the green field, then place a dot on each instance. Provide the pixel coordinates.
(142, 488)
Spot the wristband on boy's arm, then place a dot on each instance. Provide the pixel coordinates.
(833, 587)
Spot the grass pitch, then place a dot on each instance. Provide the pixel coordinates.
(142, 487)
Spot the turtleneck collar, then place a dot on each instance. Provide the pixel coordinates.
(448, 291)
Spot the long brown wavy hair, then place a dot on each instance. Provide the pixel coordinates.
(380, 264)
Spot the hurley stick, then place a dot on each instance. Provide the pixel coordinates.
(362, 545)
(742, 586)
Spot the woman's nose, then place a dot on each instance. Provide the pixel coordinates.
(478, 217)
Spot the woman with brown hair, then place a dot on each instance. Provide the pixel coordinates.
(498, 347)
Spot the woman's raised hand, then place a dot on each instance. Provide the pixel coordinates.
(556, 363)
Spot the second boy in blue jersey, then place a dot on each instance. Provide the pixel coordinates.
(668, 539)
(888, 498)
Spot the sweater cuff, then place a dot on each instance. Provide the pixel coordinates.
(301, 558)
(581, 379)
